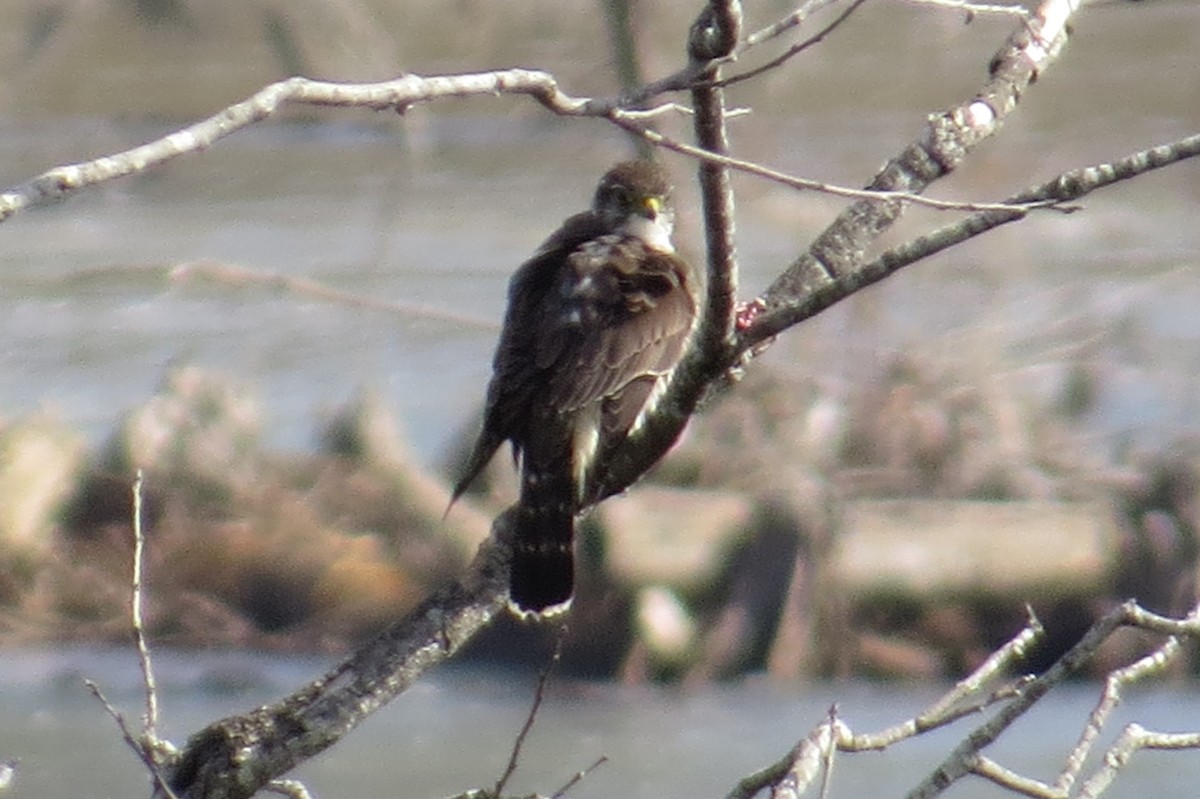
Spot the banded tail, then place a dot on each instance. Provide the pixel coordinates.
(543, 563)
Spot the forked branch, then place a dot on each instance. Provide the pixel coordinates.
(805, 763)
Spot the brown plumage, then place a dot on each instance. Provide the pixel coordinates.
(597, 320)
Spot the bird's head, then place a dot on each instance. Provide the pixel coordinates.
(634, 198)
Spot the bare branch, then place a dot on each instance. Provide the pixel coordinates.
(795, 772)
(143, 752)
(961, 700)
(153, 751)
(714, 36)
(235, 275)
(831, 267)
(629, 121)
(234, 757)
(982, 9)
(1133, 738)
(792, 20)
(817, 288)
(395, 95)
(578, 777)
(799, 766)
(150, 721)
(965, 758)
(539, 693)
(1062, 189)
(1109, 699)
(1007, 778)
(795, 49)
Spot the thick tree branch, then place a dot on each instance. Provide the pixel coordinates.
(809, 759)
(1064, 188)
(397, 95)
(713, 37)
(234, 757)
(832, 268)
(965, 757)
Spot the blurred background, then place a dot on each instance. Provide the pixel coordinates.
(292, 332)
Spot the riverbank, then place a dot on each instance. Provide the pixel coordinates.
(899, 534)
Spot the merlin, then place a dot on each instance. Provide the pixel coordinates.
(597, 321)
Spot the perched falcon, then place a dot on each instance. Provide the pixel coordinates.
(597, 320)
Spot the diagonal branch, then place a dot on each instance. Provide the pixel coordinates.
(396, 95)
(632, 122)
(965, 758)
(234, 757)
(795, 49)
(713, 36)
(832, 268)
(1064, 188)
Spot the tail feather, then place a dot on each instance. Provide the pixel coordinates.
(543, 567)
(484, 449)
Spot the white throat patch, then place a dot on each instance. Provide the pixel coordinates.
(656, 233)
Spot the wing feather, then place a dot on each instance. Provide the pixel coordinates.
(625, 313)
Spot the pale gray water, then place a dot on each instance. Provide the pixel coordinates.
(453, 732)
(89, 321)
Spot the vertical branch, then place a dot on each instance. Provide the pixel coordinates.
(713, 37)
(150, 726)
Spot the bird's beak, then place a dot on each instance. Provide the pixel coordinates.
(653, 206)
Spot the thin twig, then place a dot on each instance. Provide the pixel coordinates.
(954, 705)
(791, 181)
(150, 721)
(539, 694)
(139, 748)
(235, 275)
(290, 788)
(790, 21)
(794, 50)
(993, 772)
(965, 757)
(830, 752)
(981, 9)
(1064, 188)
(1110, 697)
(792, 774)
(1004, 658)
(578, 777)
(1133, 738)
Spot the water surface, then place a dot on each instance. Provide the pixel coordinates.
(439, 213)
(454, 731)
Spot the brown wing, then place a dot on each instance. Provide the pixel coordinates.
(515, 377)
(623, 313)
